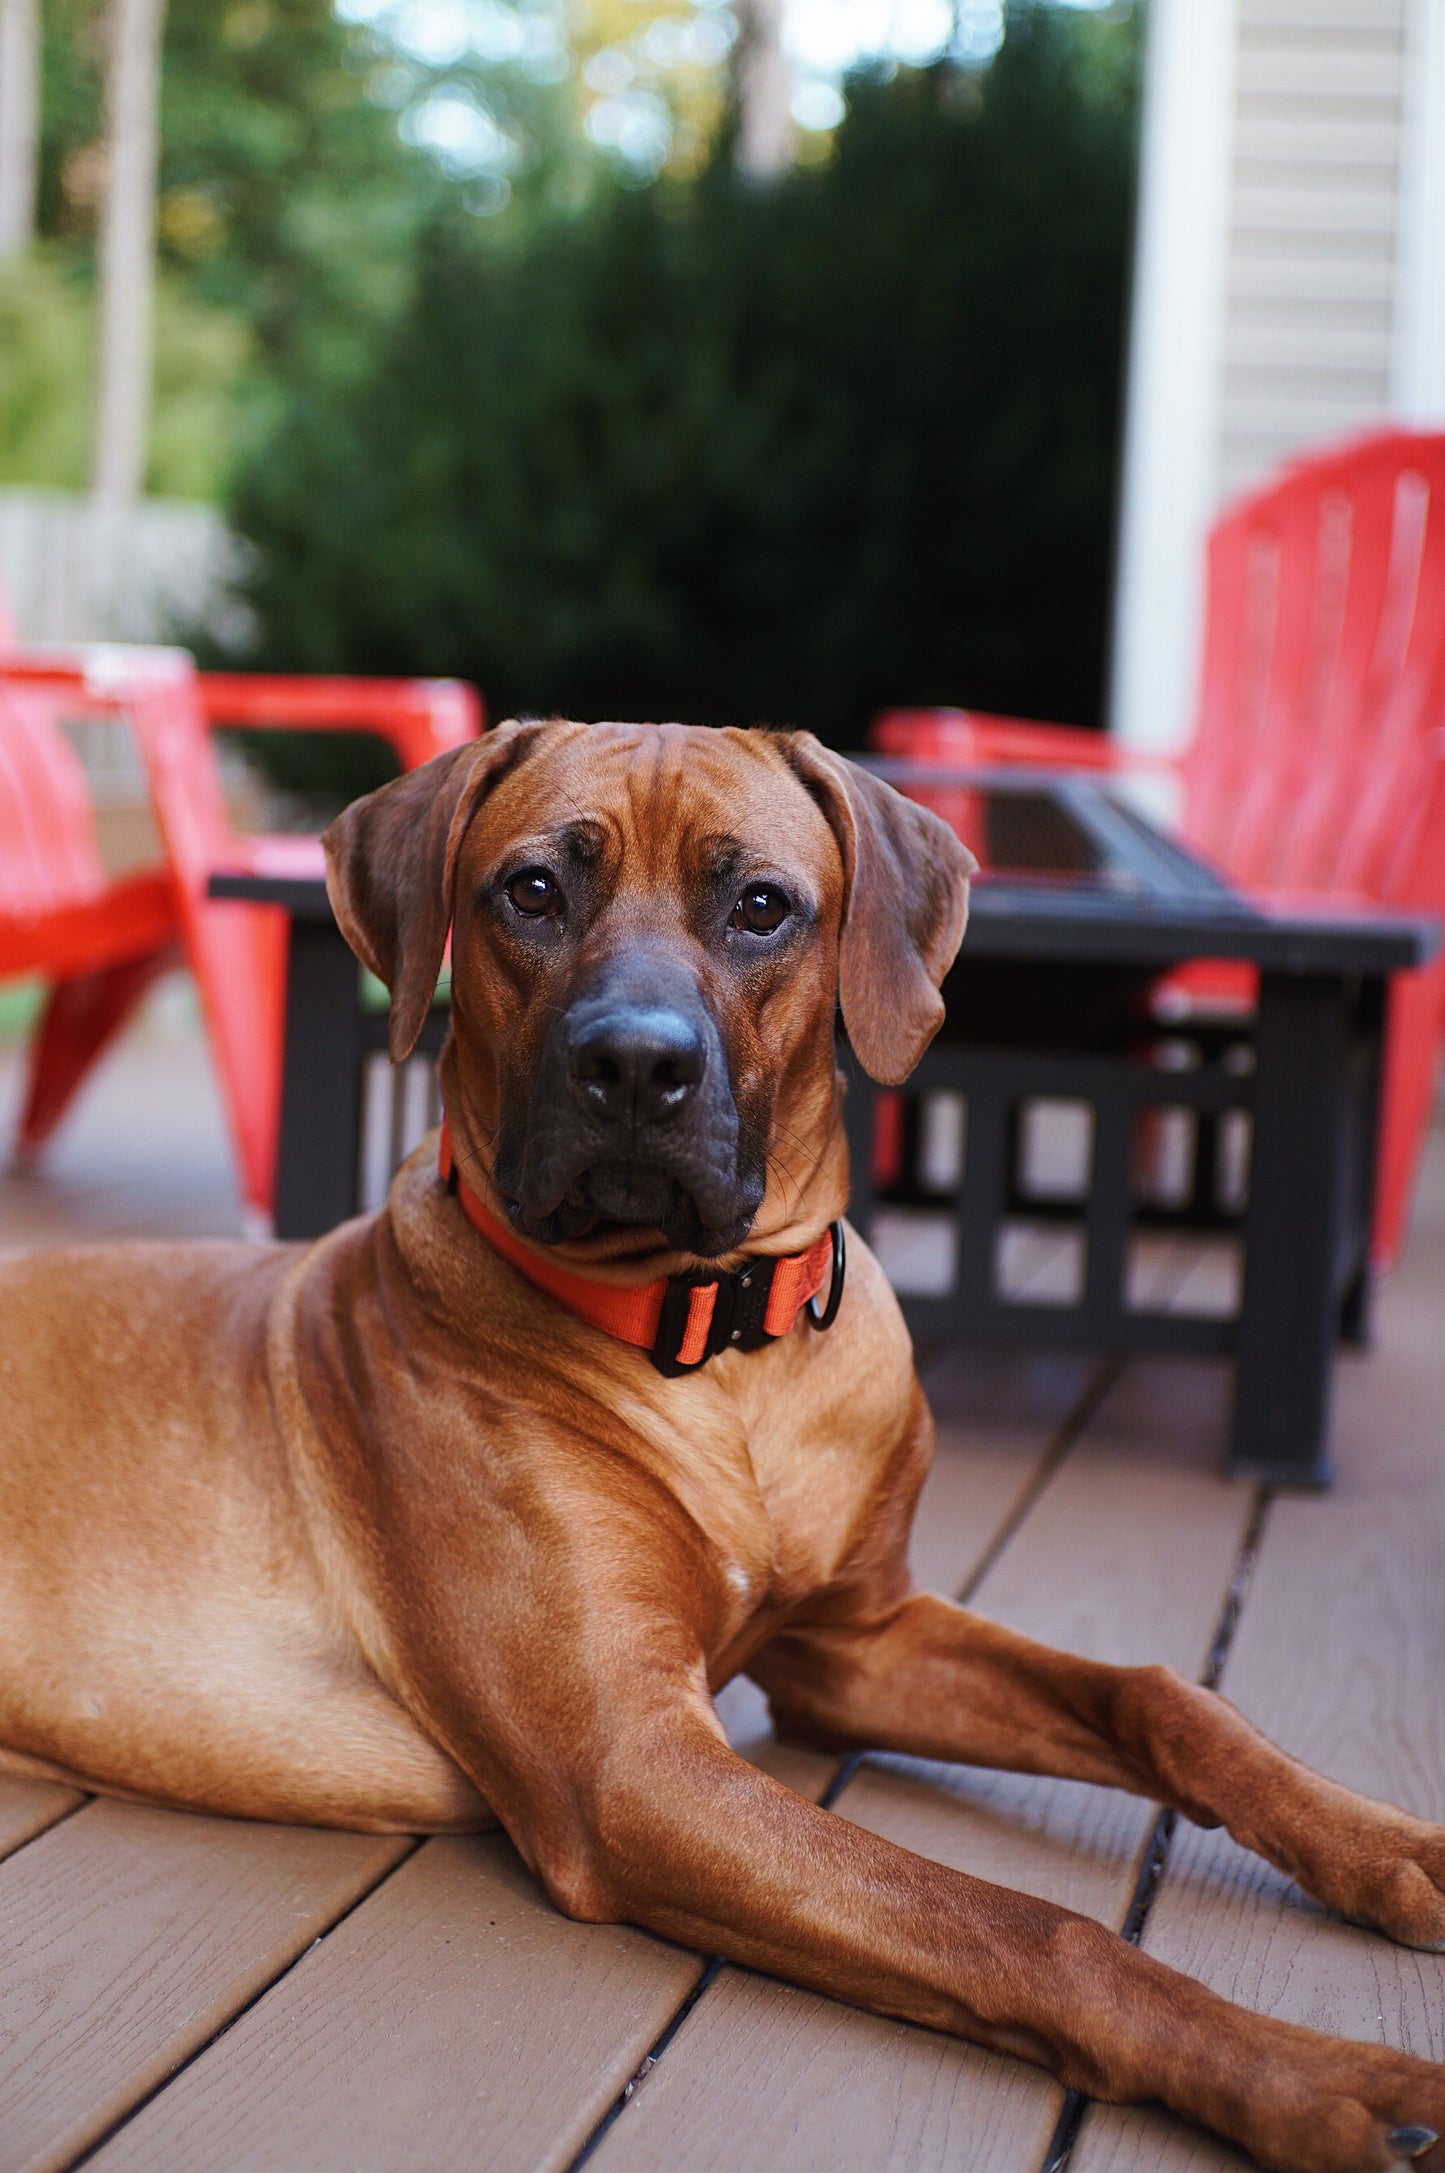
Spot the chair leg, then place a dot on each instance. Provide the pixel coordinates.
(83, 1014)
(1356, 1310)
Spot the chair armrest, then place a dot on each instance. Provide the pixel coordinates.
(418, 718)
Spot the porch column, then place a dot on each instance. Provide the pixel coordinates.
(1172, 400)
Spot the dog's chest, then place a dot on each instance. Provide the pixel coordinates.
(813, 1492)
(776, 1543)
(815, 1475)
(777, 1500)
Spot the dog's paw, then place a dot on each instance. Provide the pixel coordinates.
(1389, 1874)
(1347, 2108)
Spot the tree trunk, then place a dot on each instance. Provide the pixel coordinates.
(763, 81)
(19, 123)
(127, 249)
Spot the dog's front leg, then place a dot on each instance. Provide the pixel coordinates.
(551, 1614)
(676, 1833)
(928, 1678)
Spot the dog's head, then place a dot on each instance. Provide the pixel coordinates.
(652, 928)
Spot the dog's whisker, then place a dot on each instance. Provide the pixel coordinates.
(785, 1179)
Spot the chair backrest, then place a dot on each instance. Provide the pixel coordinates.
(418, 718)
(1323, 686)
(237, 954)
(48, 854)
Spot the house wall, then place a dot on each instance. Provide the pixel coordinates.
(1289, 289)
(1313, 227)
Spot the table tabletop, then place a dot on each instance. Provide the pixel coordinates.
(1067, 870)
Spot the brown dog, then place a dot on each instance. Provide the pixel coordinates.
(378, 1533)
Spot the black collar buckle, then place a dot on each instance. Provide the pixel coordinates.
(739, 1309)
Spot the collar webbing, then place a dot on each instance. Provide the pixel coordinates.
(680, 1320)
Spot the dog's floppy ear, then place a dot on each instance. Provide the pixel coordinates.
(390, 864)
(905, 906)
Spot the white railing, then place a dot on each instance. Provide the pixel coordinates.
(74, 569)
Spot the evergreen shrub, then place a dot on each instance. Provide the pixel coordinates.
(735, 453)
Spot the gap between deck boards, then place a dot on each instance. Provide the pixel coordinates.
(1155, 1860)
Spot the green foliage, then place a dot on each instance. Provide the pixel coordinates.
(288, 211)
(46, 314)
(285, 193)
(20, 1006)
(44, 374)
(201, 357)
(738, 453)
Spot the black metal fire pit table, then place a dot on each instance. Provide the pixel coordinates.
(1078, 1121)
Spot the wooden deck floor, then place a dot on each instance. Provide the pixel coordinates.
(181, 1993)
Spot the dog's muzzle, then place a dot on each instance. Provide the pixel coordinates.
(633, 1121)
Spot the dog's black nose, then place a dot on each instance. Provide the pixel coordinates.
(637, 1065)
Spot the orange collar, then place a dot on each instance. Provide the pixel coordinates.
(680, 1320)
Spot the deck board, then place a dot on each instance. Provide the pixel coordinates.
(1127, 1555)
(999, 1418)
(1338, 1656)
(28, 1807)
(142, 1153)
(130, 1936)
(455, 2019)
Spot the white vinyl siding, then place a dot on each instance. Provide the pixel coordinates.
(1289, 285)
(1313, 227)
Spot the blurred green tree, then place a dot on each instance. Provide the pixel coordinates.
(289, 209)
(740, 453)
(46, 344)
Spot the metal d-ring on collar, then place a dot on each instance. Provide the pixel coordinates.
(824, 1318)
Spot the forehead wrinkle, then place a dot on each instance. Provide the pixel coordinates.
(663, 794)
(593, 840)
(650, 812)
(656, 799)
(723, 857)
(586, 837)
(772, 828)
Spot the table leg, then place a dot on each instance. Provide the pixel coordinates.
(320, 1144)
(1293, 1230)
(1366, 1079)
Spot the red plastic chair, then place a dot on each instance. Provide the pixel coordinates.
(1317, 763)
(102, 944)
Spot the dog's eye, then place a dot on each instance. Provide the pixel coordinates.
(761, 908)
(534, 893)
